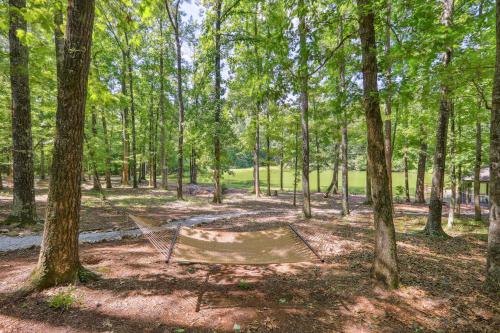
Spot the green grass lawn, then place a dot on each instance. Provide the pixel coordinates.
(242, 178)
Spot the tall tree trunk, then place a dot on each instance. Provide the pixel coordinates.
(433, 226)
(174, 17)
(42, 160)
(59, 261)
(151, 144)
(453, 176)
(194, 167)
(343, 146)
(23, 204)
(282, 163)
(107, 161)
(459, 187)
(318, 167)
(163, 118)
(95, 175)
(477, 173)
(296, 165)
(256, 153)
(268, 155)
(493, 256)
(304, 106)
(345, 176)
(132, 111)
(388, 98)
(420, 186)
(218, 105)
(385, 265)
(125, 125)
(407, 183)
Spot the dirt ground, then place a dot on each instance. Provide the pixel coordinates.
(442, 279)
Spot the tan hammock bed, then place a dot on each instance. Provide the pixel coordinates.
(274, 246)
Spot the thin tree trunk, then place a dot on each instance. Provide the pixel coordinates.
(304, 106)
(453, 176)
(318, 183)
(163, 120)
(151, 143)
(174, 17)
(420, 186)
(132, 111)
(385, 265)
(282, 166)
(107, 161)
(125, 125)
(193, 172)
(434, 226)
(388, 98)
(343, 146)
(42, 160)
(95, 175)
(59, 261)
(218, 105)
(459, 187)
(345, 176)
(296, 165)
(256, 153)
(493, 256)
(477, 173)
(268, 155)
(23, 204)
(407, 183)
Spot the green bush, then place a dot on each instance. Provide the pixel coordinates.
(62, 300)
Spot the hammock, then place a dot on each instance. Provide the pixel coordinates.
(274, 246)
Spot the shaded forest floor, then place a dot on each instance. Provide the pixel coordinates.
(442, 279)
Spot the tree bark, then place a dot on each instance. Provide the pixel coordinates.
(368, 186)
(304, 106)
(174, 17)
(407, 183)
(107, 174)
(477, 173)
(420, 186)
(296, 165)
(433, 226)
(453, 176)
(95, 175)
(132, 111)
(151, 143)
(42, 160)
(59, 261)
(385, 265)
(256, 153)
(343, 145)
(218, 105)
(163, 120)
(23, 204)
(125, 125)
(268, 156)
(388, 99)
(318, 167)
(493, 256)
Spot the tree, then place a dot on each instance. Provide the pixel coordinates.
(433, 226)
(59, 260)
(23, 205)
(385, 264)
(175, 22)
(493, 256)
(304, 106)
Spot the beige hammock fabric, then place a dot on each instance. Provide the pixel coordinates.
(275, 246)
(187, 245)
